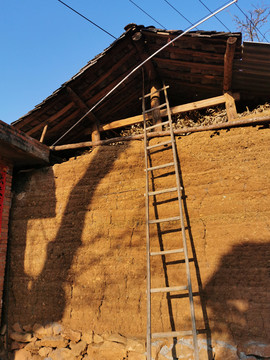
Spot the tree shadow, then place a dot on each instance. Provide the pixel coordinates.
(200, 293)
(43, 299)
(238, 294)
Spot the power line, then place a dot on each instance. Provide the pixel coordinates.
(183, 16)
(251, 22)
(87, 19)
(140, 65)
(162, 26)
(215, 16)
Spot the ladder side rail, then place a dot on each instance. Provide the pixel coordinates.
(148, 335)
(192, 311)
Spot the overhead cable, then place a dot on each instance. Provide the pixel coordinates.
(215, 16)
(183, 16)
(142, 63)
(162, 26)
(62, 2)
(251, 22)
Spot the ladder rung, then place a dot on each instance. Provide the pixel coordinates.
(157, 145)
(154, 92)
(171, 334)
(156, 221)
(162, 191)
(156, 125)
(160, 166)
(155, 107)
(169, 289)
(165, 252)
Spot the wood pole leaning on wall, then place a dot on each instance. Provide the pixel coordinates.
(187, 130)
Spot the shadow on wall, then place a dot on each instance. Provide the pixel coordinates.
(43, 299)
(238, 294)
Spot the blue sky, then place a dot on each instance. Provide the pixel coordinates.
(43, 44)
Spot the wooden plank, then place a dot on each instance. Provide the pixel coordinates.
(228, 63)
(227, 125)
(189, 64)
(201, 104)
(230, 106)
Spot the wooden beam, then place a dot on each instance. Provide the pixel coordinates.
(213, 127)
(80, 104)
(50, 119)
(155, 101)
(43, 133)
(111, 70)
(174, 110)
(230, 106)
(228, 63)
(189, 64)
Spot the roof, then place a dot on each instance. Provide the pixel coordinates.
(193, 67)
(20, 149)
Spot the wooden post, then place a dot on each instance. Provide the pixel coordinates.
(228, 63)
(155, 101)
(95, 134)
(230, 107)
(43, 133)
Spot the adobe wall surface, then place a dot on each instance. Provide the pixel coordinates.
(77, 241)
(6, 169)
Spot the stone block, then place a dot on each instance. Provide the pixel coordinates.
(136, 356)
(16, 345)
(87, 337)
(71, 335)
(117, 338)
(17, 327)
(21, 337)
(97, 352)
(62, 354)
(22, 355)
(135, 345)
(78, 348)
(255, 348)
(54, 341)
(44, 351)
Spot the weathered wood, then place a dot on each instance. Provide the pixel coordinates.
(201, 104)
(43, 133)
(50, 119)
(236, 123)
(80, 104)
(230, 106)
(228, 63)
(155, 101)
(20, 148)
(190, 65)
(95, 135)
(139, 44)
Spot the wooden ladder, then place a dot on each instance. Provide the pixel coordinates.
(149, 169)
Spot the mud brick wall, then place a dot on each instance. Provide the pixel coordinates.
(5, 203)
(78, 241)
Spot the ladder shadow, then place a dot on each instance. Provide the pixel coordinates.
(163, 258)
(200, 293)
(192, 258)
